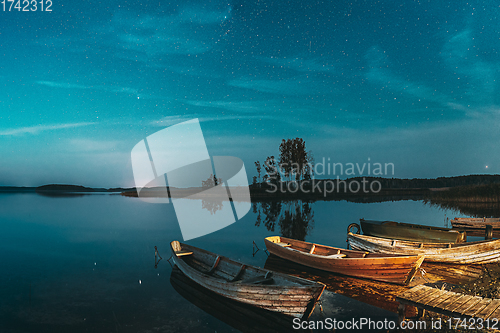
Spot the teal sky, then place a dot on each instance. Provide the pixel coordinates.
(413, 83)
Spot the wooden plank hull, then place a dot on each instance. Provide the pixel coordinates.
(285, 294)
(392, 269)
(411, 232)
(482, 252)
(243, 317)
(475, 223)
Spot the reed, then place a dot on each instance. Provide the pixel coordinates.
(473, 193)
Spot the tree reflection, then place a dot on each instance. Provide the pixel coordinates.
(212, 205)
(294, 218)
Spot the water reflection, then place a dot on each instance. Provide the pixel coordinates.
(242, 317)
(381, 295)
(295, 219)
(212, 205)
(474, 209)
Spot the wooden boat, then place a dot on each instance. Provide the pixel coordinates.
(370, 292)
(475, 223)
(242, 317)
(256, 286)
(481, 252)
(411, 232)
(398, 269)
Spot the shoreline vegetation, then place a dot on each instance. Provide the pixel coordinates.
(483, 189)
(471, 195)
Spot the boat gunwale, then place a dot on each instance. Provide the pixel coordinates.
(411, 232)
(373, 255)
(301, 282)
(412, 225)
(428, 245)
(379, 268)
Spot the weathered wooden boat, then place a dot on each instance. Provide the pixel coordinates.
(475, 223)
(247, 284)
(398, 269)
(411, 232)
(370, 292)
(481, 252)
(373, 292)
(242, 317)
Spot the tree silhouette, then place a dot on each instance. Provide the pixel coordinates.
(211, 181)
(272, 172)
(294, 160)
(259, 168)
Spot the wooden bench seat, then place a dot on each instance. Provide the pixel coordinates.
(183, 253)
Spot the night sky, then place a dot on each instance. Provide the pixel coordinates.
(413, 83)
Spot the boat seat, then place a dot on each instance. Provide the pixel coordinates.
(183, 253)
(261, 279)
(332, 256)
(214, 266)
(284, 244)
(238, 275)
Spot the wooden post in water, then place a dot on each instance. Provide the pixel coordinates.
(489, 232)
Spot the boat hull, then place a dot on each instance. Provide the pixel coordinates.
(294, 297)
(411, 232)
(482, 252)
(243, 317)
(392, 269)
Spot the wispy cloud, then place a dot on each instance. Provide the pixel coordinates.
(172, 120)
(40, 128)
(91, 145)
(478, 77)
(379, 72)
(64, 85)
(238, 106)
(192, 30)
(301, 64)
(300, 85)
(146, 38)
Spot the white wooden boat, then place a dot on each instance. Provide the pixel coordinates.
(482, 252)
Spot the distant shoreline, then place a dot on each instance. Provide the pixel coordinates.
(461, 188)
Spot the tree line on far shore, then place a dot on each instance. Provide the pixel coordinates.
(295, 163)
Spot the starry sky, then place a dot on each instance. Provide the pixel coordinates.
(413, 83)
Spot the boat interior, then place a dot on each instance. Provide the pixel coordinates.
(327, 252)
(229, 270)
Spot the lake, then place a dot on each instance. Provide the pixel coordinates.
(87, 263)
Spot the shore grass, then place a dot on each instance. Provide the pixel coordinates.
(478, 194)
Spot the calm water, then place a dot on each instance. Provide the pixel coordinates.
(87, 264)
